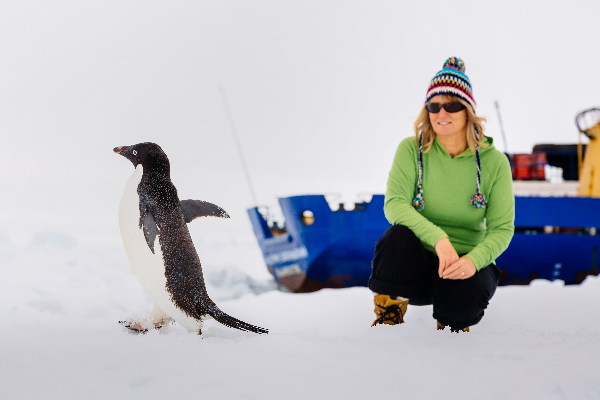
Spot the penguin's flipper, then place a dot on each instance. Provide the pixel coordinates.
(150, 230)
(148, 225)
(232, 322)
(193, 209)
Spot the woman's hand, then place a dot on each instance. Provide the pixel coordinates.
(446, 254)
(461, 269)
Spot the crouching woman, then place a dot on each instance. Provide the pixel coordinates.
(449, 199)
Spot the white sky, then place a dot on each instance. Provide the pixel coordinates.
(321, 91)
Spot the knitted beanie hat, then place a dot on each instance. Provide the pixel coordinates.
(452, 81)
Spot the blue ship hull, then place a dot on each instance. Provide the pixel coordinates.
(555, 238)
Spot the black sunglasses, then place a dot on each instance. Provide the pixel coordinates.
(452, 107)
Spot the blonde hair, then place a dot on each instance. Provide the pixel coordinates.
(474, 124)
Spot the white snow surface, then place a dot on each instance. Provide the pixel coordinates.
(60, 300)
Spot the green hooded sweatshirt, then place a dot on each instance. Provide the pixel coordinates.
(482, 234)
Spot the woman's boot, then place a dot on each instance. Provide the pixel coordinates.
(389, 311)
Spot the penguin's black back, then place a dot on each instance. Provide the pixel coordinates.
(183, 270)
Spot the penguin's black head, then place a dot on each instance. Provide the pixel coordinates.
(150, 155)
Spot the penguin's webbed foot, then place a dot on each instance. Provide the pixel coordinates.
(162, 323)
(144, 326)
(134, 327)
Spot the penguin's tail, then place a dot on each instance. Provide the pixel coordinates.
(232, 322)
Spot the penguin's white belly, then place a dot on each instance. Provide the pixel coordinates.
(149, 267)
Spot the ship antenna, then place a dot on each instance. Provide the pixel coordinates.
(237, 142)
(501, 126)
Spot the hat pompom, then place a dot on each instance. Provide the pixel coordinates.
(455, 63)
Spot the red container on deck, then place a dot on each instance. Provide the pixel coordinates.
(521, 166)
(528, 166)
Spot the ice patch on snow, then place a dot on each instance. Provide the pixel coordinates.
(233, 284)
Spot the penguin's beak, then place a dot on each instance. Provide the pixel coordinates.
(120, 150)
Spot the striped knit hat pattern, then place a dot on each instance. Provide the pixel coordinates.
(452, 81)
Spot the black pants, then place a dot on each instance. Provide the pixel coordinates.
(403, 267)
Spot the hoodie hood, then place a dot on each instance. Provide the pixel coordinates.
(489, 141)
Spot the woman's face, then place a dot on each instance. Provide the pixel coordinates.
(445, 123)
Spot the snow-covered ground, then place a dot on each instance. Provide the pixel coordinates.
(61, 298)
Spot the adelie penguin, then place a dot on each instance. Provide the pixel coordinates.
(154, 229)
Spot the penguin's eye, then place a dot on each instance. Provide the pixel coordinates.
(135, 152)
